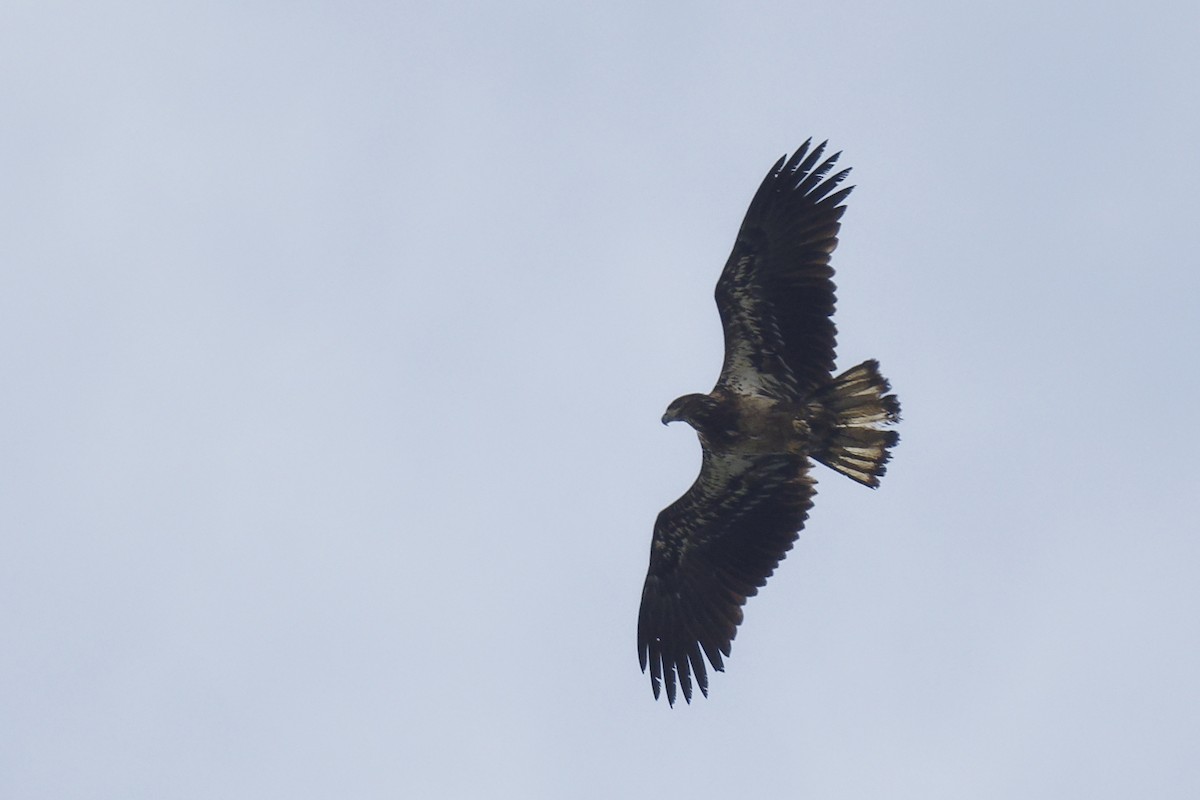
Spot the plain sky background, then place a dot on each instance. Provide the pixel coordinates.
(335, 337)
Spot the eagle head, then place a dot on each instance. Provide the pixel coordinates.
(695, 409)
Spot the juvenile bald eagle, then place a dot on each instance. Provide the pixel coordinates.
(776, 405)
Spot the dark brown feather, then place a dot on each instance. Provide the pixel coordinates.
(713, 548)
(776, 295)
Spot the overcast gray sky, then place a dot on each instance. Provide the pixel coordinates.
(335, 338)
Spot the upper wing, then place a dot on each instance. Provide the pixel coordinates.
(713, 548)
(776, 294)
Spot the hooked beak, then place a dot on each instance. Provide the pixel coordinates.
(667, 418)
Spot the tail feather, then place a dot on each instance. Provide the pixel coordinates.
(858, 446)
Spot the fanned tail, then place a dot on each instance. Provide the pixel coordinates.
(859, 445)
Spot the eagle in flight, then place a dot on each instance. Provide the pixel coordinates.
(776, 404)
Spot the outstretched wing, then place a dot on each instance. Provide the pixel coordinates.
(776, 294)
(713, 548)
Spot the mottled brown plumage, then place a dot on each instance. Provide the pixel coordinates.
(776, 405)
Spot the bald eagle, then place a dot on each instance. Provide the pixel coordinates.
(776, 405)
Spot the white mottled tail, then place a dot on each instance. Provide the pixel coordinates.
(858, 445)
